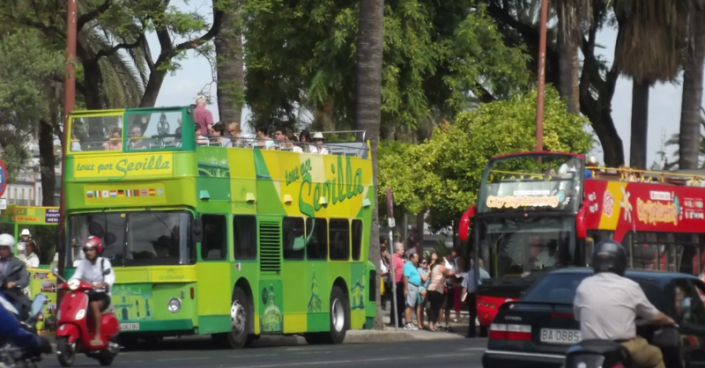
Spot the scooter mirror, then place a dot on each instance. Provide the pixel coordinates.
(55, 271)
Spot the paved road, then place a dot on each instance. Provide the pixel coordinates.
(464, 353)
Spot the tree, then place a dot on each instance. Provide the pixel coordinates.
(368, 104)
(27, 73)
(230, 64)
(689, 138)
(647, 50)
(440, 57)
(572, 15)
(444, 174)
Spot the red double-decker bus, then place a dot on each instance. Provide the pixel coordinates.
(538, 211)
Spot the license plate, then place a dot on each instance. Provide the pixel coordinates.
(553, 336)
(129, 327)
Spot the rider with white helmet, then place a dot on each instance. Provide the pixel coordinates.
(13, 273)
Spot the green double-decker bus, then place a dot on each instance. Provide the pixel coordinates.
(228, 242)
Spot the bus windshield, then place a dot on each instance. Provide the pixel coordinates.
(516, 247)
(135, 238)
(532, 182)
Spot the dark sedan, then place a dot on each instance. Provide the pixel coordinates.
(537, 330)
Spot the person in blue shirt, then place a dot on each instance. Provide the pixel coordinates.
(412, 282)
(10, 331)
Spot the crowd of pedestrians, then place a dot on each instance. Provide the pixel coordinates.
(428, 288)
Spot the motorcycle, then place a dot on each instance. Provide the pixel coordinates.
(74, 332)
(12, 356)
(17, 295)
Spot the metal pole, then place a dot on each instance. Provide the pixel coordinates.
(69, 102)
(541, 75)
(395, 309)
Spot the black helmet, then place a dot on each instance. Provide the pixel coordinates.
(609, 256)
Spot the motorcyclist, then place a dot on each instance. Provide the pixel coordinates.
(13, 274)
(607, 305)
(98, 271)
(11, 331)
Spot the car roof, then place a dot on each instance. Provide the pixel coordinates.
(658, 276)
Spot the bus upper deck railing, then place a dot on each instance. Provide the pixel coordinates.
(692, 178)
(356, 148)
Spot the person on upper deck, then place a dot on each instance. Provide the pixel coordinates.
(219, 136)
(263, 139)
(318, 147)
(201, 116)
(135, 141)
(290, 139)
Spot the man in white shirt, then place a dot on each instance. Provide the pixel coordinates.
(607, 305)
(99, 272)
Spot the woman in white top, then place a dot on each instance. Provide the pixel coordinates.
(31, 257)
(289, 143)
(317, 147)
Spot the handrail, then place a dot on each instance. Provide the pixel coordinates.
(648, 176)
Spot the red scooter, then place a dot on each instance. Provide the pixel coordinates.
(74, 332)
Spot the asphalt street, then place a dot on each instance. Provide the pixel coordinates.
(463, 353)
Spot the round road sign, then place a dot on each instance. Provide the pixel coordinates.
(3, 178)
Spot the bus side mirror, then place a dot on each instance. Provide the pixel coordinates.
(197, 231)
(464, 227)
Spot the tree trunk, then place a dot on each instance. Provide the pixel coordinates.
(230, 66)
(689, 137)
(47, 162)
(640, 124)
(568, 61)
(368, 106)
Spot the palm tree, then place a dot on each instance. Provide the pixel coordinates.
(572, 15)
(690, 141)
(368, 103)
(230, 65)
(647, 50)
(699, 152)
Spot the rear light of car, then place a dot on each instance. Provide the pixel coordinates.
(501, 331)
(562, 315)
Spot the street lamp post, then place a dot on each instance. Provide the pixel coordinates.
(69, 102)
(541, 75)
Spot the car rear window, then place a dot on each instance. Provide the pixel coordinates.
(560, 288)
(555, 288)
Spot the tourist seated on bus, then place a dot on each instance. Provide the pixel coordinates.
(114, 142)
(318, 144)
(219, 137)
(289, 144)
(136, 142)
(571, 166)
(263, 140)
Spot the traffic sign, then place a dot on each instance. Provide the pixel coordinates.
(3, 178)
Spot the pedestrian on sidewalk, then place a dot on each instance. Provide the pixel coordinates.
(470, 282)
(412, 282)
(425, 279)
(435, 293)
(384, 276)
(398, 269)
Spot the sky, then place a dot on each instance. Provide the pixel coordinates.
(196, 75)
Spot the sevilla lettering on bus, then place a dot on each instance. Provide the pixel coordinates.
(652, 212)
(120, 167)
(522, 201)
(335, 190)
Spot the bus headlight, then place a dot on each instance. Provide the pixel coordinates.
(174, 305)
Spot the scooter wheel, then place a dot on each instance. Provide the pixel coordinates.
(106, 360)
(65, 352)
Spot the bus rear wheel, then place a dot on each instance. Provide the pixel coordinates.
(339, 320)
(240, 322)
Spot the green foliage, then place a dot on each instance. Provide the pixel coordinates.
(26, 73)
(437, 54)
(443, 174)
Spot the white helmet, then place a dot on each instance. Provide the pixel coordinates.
(25, 232)
(7, 240)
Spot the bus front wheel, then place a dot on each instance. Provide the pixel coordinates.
(339, 320)
(240, 322)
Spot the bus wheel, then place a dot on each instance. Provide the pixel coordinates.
(240, 316)
(339, 320)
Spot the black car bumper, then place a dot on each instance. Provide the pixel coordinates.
(516, 359)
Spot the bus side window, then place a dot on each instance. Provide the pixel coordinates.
(356, 239)
(339, 239)
(317, 235)
(293, 241)
(245, 237)
(215, 237)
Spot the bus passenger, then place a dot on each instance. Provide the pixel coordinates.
(114, 142)
(305, 139)
(201, 116)
(234, 132)
(98, 271)
(136, 142)
(219, 135)
(318, 148)
(290, 139)
(201, 140)
(263, 140)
